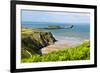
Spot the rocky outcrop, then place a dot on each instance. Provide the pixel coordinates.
(33, 40)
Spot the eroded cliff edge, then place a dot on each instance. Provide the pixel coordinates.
(32, 40)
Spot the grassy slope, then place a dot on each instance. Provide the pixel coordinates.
(81, 52)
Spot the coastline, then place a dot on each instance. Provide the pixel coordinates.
(43, 46)
(62, 42)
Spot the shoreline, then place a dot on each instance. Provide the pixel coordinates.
(62, 43)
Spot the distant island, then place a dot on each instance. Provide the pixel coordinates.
(57, 27)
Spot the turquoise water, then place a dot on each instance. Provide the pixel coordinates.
(79, 31)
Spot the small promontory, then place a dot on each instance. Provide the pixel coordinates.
(33, 40)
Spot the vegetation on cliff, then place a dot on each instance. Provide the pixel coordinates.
(33, 40)
(81, 52)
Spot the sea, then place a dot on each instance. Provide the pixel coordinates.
(79, 32)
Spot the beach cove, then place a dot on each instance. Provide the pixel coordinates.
(62, 43)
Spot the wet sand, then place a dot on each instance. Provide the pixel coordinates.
(61, 44)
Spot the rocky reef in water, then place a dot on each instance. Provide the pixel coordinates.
(33, 40)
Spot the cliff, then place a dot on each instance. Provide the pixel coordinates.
(32, 40)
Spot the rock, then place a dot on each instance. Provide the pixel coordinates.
(34, 40)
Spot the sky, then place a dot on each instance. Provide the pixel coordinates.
(51, 16)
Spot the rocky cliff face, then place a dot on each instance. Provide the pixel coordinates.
(34, 40)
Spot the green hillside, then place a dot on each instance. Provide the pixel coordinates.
(81, 52)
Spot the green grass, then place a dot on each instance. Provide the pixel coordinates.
(81, 52)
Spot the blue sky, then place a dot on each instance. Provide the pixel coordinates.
(59, 17)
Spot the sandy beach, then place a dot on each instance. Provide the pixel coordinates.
(63, 42)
